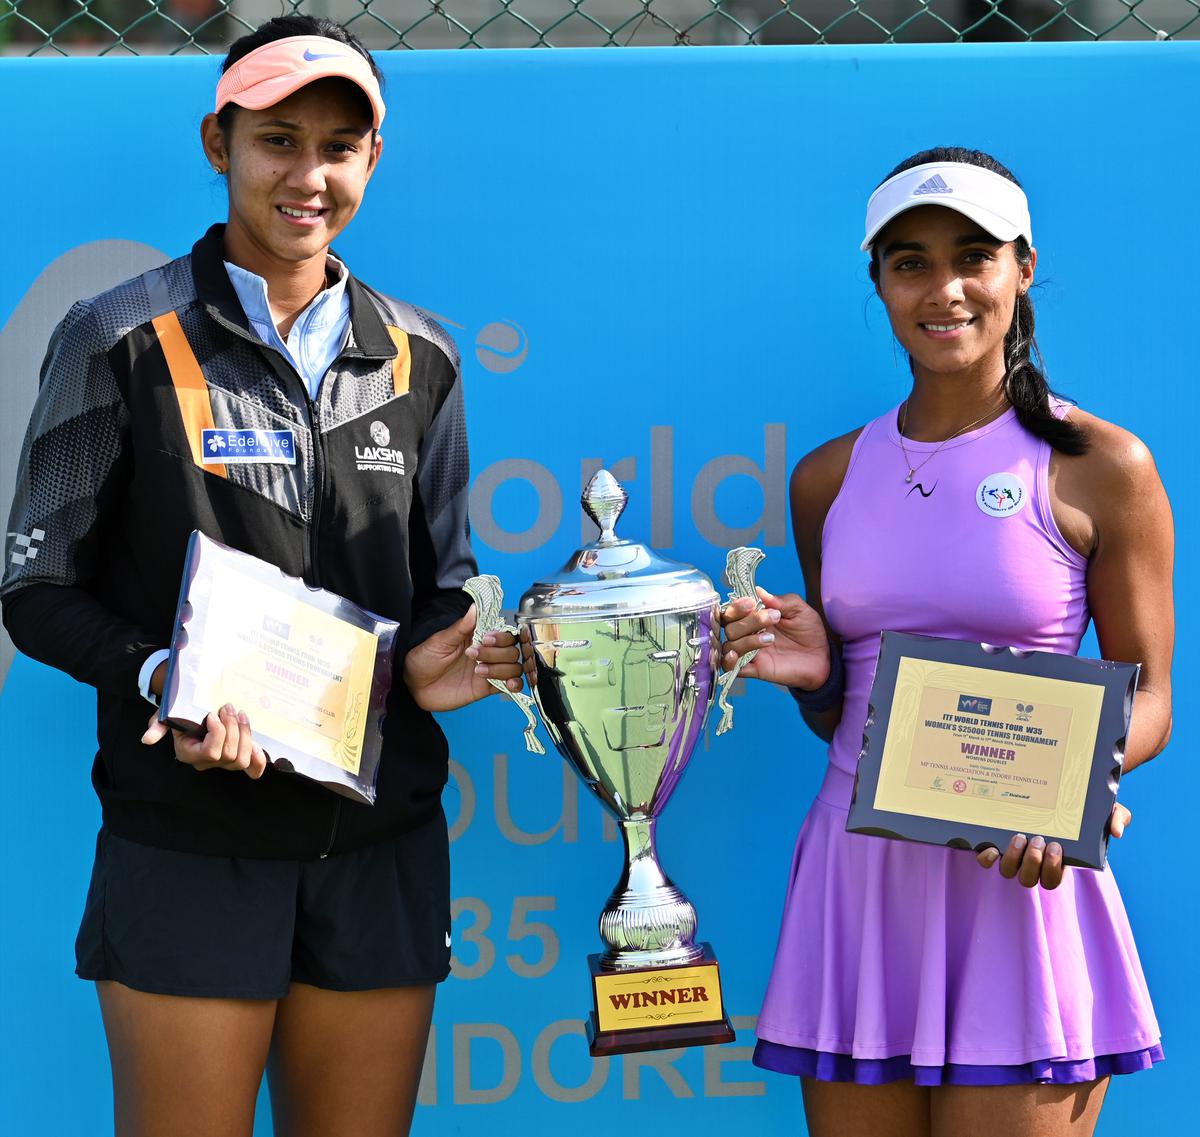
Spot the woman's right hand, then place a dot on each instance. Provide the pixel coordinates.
(226, 744)
(789, 635)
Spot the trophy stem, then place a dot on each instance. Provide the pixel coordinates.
(647, 921)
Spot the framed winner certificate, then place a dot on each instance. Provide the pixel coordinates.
(310, 669)
(967, 744)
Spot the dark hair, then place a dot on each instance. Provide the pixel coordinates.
(1024, 375)
(284, 27)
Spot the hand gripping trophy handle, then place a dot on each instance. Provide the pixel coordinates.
(488, 595)
(739, 572)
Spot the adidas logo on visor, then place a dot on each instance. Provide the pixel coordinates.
(936, 184)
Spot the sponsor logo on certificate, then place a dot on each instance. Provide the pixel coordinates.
(974, 705)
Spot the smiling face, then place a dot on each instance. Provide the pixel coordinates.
(297, 171)
(949, 288)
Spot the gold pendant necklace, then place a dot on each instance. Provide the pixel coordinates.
(912, 470)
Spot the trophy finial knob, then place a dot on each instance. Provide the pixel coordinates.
(604, 498)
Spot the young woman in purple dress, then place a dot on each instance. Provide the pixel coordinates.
(919, 990)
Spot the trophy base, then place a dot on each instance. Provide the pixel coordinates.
(656, 1008)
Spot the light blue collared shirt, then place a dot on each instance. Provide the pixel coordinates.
(318, 333)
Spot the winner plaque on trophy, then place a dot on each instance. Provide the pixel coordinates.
(625, 650)
(967, 744)
(310, 669)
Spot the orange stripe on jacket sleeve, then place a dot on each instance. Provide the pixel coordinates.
(402, 364)
(191, 389)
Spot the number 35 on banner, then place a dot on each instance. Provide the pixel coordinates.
(520, 927)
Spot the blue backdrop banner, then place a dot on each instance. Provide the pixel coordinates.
(649, 260)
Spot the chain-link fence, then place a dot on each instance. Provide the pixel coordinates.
(137, 27)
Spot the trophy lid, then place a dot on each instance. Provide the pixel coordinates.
(612, 577)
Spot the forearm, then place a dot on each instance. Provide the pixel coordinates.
(440, 556)
(1149, 728)
(434, 610)
(69, 629)
(440, 561)
(822, 723)
(822, 707)
(66, 499)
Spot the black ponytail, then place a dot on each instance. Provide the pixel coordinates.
(1024, 371)
(1025, 378)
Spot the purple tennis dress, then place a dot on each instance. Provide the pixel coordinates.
(898, 960)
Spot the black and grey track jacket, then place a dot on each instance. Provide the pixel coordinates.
(123, 459)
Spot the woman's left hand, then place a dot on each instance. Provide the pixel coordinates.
(1032, 861)
(446, 671)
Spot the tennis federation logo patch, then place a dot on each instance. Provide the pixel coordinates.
(227, 447)
(1001, 495)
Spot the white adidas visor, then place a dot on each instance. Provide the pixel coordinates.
(995, 204)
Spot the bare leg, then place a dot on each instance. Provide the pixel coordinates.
(844, 1109)
(347, 1063)
(1030, 1110)
(184, 1067)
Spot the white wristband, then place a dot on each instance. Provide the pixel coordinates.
(147, 673)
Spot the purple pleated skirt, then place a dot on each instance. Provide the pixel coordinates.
(898, 960)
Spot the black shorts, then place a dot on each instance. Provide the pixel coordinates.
(233, 927)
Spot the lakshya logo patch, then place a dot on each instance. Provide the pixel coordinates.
(380, 458)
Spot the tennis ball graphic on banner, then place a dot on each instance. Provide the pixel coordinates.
(501, 346)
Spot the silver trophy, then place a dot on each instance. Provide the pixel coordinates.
(626, 646)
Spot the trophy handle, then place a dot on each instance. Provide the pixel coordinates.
(488, 595)
(740, 565)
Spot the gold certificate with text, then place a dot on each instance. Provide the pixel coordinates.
(995, 748)
(302, 676)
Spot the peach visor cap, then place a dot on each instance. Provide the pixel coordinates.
(270, 73)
